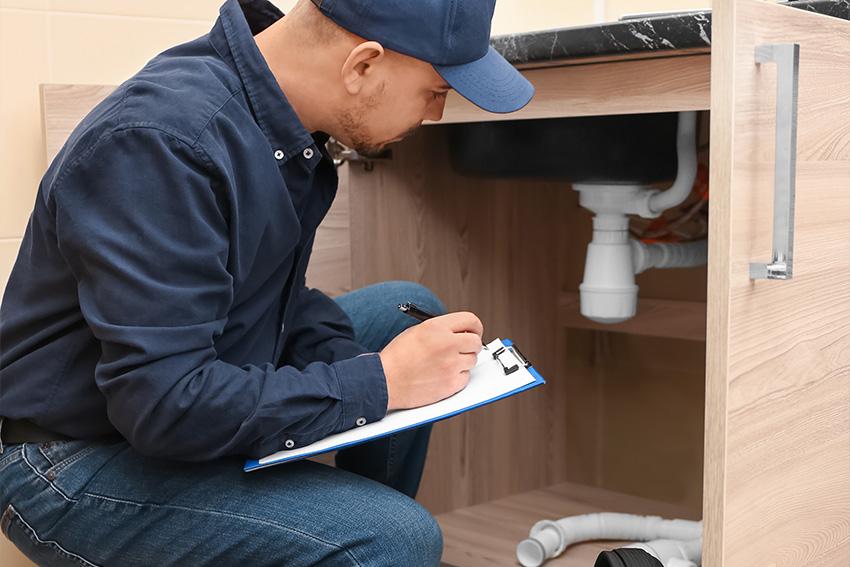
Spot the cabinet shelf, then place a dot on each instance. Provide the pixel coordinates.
(487, 534)
(655, 318)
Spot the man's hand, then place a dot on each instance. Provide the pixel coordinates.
(431, 361)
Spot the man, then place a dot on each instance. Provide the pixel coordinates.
(156, 328)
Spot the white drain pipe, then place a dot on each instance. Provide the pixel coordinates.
(686, 148)
(668, 255)
(549, 538)
(608, 293)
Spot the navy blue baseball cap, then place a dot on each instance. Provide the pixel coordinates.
(452, 35)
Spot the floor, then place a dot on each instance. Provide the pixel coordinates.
(487, 534)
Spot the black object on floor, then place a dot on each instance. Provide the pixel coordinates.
(626, 557)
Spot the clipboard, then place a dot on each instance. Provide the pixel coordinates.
(501, 371)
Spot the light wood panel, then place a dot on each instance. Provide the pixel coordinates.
(487, 534)
(650, 424)
(634, 403)
(655, 318)
(621, 87)
(778, 390)
(593, 59)
(64, 106)
(483, 247)
(506, 250)
(330, 261)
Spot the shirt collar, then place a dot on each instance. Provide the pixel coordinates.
(233, 37)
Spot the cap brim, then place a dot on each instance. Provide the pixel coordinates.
(490, 83)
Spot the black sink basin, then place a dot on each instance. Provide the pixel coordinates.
(634, 148)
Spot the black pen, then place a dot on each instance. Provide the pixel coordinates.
(415, 311)
(419, 314)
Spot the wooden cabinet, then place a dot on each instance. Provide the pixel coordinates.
(727, 398)
(777, 480)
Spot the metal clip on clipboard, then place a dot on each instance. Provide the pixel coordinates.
(514, 350)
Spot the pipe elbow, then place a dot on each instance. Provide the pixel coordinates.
(687, 167)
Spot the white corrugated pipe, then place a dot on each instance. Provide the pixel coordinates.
(608, 293)
(549, 538)
(668, 255)
(674, 553)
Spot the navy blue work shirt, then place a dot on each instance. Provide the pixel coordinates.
(159, 290)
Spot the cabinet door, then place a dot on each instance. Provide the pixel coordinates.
(777, 474)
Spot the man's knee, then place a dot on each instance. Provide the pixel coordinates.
(406, 535)
(431, 538)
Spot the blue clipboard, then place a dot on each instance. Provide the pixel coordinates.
(255, 464)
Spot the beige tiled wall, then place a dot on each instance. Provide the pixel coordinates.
(69, 41)
(613, 9)
(105, 41)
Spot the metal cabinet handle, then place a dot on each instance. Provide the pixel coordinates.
(787, 58)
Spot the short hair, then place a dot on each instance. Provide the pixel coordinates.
(314, 22)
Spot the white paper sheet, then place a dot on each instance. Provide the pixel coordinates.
(487, 382)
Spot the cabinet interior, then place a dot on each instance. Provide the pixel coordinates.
(623, 407)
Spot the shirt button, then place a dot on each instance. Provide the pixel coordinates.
(360, 421)
(308, 153)
(278, 155)
(289, 443)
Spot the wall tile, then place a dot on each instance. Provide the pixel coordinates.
(183, 9)
(23, 65)
(205, 10)
(284, 5)
(95, 49)
(527, 15)
(8, 253)
(616, 8)
(24, 4)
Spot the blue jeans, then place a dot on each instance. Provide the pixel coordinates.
(87, 503)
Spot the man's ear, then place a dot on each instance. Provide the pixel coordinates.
(359, 65)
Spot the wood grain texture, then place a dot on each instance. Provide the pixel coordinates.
(634, 403)
(330, 261)
(655, 318)
(718, 291)
(613, 58)
(778, 390)
(621, 87)
(483, 247)
(506, 250)
(651, 426)
(487, 534)
(64, 106)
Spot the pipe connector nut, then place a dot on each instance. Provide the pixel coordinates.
(641, 204)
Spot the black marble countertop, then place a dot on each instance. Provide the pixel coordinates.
(685, 30)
